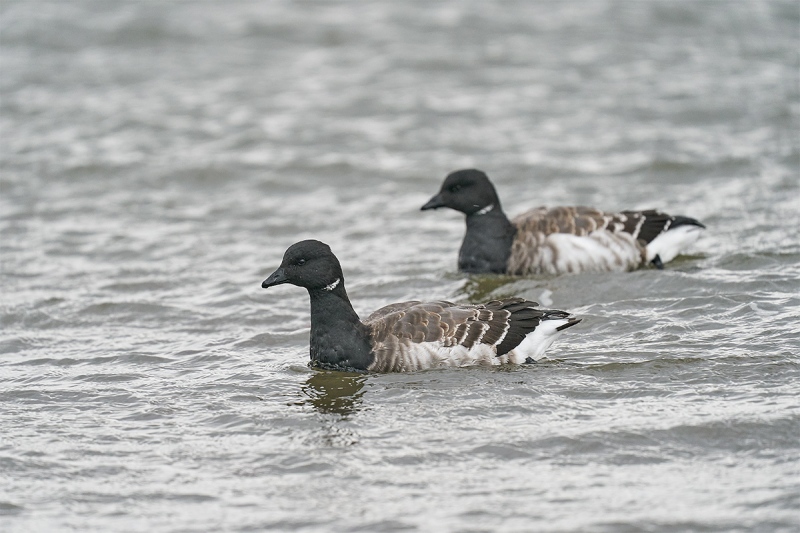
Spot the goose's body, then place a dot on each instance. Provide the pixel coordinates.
(412, 335)
(558, 240)
(419, 335)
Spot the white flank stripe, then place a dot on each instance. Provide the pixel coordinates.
(539, 340)
(600, 251)
(670, 243)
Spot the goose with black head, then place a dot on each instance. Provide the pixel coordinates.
(412, 335)
(560, 239)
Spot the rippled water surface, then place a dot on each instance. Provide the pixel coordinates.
(159, 157)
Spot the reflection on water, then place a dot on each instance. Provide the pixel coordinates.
(335, 392)
(480, 289)
(165, 155)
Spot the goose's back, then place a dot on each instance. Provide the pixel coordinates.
(418, 335)
(577, 239)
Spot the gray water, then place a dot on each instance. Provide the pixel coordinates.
(159, 157)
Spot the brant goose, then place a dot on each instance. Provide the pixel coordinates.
(411, 335)
(557, 240)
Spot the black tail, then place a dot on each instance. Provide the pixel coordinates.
(569, 324)
(655, 223)
(685, 221)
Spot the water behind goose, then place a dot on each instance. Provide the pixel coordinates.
(158, 158)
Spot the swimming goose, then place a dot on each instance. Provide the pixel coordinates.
(411, 335)
(557, 240)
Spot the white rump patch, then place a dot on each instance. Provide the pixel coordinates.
(538, 341)
(671, 243)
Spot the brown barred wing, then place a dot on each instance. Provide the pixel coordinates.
(502, 324)
(417, 322)
(576, 220)
(643, 225)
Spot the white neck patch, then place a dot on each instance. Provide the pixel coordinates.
(332, 285)
(485, 210)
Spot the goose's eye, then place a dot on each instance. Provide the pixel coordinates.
(455, 188)
(300, 262)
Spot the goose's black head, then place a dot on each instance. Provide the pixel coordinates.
(468, 191)
(309, 264)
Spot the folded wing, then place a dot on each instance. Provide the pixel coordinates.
(415, 335)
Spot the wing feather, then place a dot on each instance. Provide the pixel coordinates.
(643, 225)
(502, 324)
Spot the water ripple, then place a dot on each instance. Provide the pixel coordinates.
(158, 158)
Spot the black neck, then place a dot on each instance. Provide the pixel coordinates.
(338, 338)
(487, 244)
